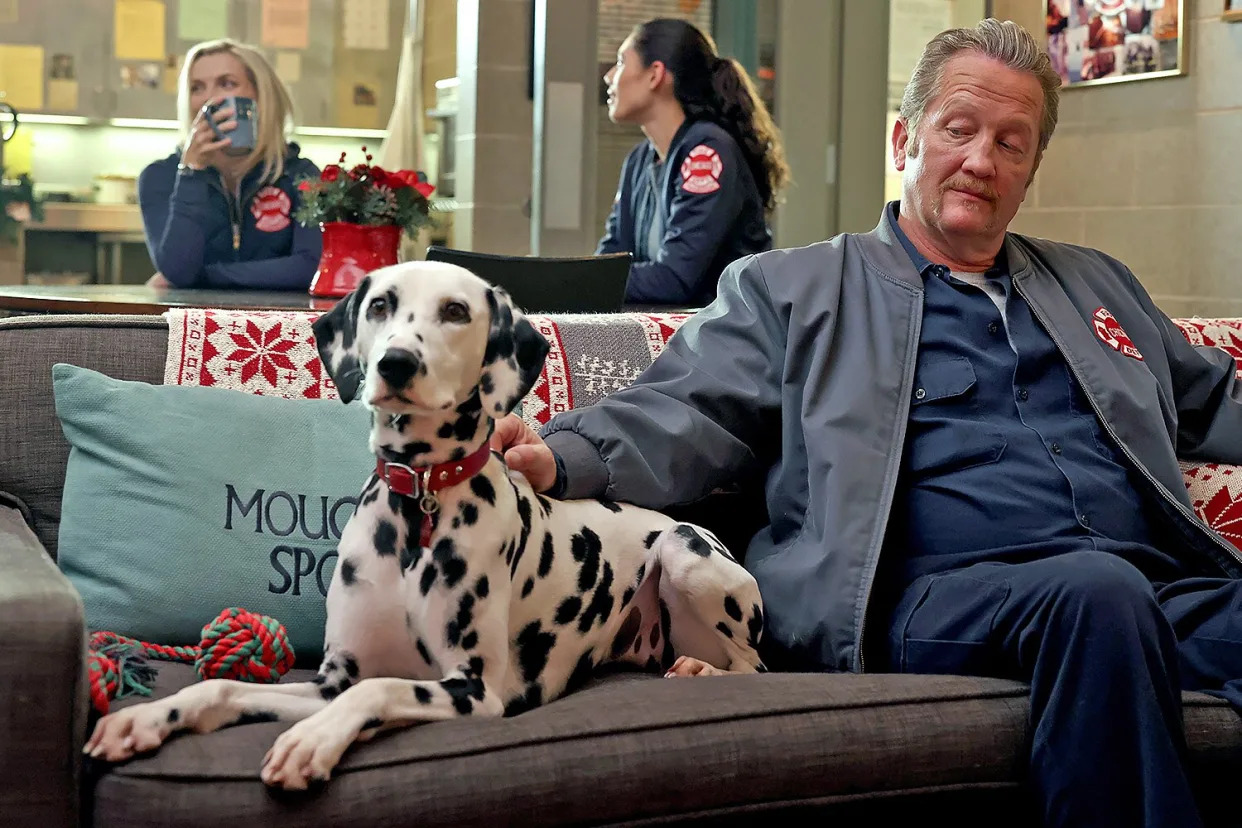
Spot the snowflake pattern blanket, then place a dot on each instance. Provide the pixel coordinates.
(273, 353)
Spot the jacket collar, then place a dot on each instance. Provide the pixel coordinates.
(883, 249)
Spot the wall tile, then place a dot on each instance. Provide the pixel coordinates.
(1057, 225)
(502, 104)
(1151, 242)
(1087, 168)
(502, 165)
(1212, 241)
(498, 229)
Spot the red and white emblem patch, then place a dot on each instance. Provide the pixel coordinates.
(700, 172)
(1109, 330)
(270, 208)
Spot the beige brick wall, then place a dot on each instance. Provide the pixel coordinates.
(1150, 171)
(616, 19)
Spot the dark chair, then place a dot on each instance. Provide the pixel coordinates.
(540, 284)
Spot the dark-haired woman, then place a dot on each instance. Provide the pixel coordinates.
(696, 194)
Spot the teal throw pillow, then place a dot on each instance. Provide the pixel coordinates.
(182, 501)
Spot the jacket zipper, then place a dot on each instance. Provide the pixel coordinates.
(1168, 498)
(235, 217)
(891, 490)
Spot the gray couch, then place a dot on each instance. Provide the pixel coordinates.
(627, 749)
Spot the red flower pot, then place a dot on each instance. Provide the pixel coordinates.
(350, 252)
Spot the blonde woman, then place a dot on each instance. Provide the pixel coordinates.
(219, 216)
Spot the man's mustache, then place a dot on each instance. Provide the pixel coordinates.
(969, 185)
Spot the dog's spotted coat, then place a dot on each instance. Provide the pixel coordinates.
(516, 599)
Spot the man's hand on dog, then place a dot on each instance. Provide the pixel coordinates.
(525, 451)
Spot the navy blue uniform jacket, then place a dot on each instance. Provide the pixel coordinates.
(686, 219)
(200, 236)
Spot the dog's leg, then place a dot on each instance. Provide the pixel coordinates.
(308, 751)
(203, 707)
(213, 704)
(714, 614)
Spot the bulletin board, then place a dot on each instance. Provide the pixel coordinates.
(120, 58)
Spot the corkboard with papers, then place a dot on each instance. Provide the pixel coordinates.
(104, 59)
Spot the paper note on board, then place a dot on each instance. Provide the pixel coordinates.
(202, 19)
(139, 30)
(19, 153)
(62, 95)
(286, 24)
(21, 76)
(365, 24)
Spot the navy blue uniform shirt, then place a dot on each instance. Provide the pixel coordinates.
(685, 218)
(200, 236)
(1004, 458)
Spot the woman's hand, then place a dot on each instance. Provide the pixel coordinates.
(525, 451)
(202, 150)
(158, 281)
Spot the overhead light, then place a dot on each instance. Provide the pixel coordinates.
(143, 123)
(157, 123)
(341, 132)
(53, 119)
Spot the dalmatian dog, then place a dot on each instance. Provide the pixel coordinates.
(458, 589)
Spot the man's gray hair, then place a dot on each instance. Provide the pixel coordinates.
(1004, 41)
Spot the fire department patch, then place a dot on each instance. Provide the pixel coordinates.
(1109, 330)
(270, 208)
(700, 172)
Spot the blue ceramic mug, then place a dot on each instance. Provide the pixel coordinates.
(241, 137)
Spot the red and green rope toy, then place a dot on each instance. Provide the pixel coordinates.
(239, 645)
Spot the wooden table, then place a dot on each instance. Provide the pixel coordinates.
(112, 299)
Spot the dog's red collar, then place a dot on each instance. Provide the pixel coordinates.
(423, 482)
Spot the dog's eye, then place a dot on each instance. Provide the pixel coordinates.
(454, 312)
(378, 309)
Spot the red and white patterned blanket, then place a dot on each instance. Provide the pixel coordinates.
(273, 354)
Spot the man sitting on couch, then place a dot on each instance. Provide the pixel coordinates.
(1000, 416)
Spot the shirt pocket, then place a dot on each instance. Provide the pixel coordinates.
(945, 434)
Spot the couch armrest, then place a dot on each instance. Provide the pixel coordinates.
(43, 699)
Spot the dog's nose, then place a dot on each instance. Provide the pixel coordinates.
(396, 367)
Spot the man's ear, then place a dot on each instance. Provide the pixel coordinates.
(901, 144)
(336, 338)
(513, 358)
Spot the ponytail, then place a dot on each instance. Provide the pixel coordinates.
(717, 89)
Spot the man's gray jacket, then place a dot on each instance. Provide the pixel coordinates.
(801, 373)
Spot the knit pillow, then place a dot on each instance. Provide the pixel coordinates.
(182, 501)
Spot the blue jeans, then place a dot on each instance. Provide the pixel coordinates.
(1106, 653)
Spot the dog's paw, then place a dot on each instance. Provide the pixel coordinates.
(685, 667)
(125, 733)
(306, 753)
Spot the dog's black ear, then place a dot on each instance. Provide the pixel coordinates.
(513, 359)
(336, 337)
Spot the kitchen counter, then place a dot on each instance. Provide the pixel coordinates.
(113, 225)
(90, 218)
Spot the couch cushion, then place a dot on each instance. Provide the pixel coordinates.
(182, 501)
(33, 450)
(629, 746)
(632, 747)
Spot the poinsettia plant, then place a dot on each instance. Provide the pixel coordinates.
(18, 205)
(365, 194)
